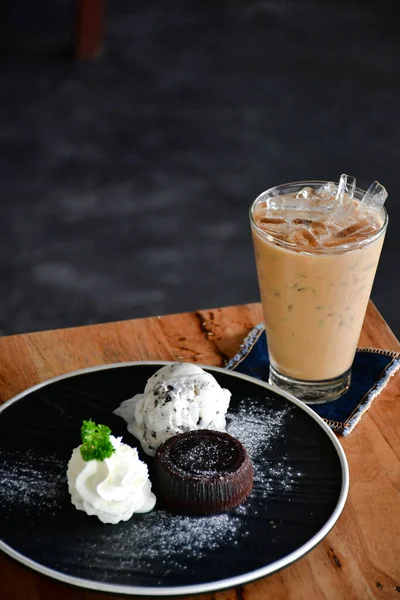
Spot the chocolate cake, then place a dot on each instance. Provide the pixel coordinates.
(202, 472)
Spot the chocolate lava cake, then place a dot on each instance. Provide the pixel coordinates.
(202, 472)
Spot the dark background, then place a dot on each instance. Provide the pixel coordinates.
(125, 182)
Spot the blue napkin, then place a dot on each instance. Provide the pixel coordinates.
(372, 369)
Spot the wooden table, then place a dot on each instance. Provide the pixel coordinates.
(360, 558)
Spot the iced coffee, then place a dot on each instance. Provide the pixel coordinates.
(317, 246)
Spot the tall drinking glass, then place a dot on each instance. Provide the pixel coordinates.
(315, 276)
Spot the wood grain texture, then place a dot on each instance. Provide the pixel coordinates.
(359, 559)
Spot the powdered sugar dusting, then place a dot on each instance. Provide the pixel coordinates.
(30, 480)
(257, 428)
(165, 540)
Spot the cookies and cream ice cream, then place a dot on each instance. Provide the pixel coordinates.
(112, 489)
(179, 397)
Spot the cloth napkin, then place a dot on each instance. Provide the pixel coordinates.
(372, 369)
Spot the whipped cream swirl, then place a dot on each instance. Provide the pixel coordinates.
(111, 489)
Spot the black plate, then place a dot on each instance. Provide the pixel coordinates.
(300, 487)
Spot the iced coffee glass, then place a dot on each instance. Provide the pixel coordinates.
(316, 260)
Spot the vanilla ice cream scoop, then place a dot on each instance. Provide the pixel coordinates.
(112, 489)
(179, 397)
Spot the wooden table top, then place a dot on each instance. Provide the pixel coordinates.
(360, 558)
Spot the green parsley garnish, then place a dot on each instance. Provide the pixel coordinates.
(96, 444)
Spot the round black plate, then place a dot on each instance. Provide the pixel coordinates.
(300, 487)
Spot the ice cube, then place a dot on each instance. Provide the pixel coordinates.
(346, 188)
(282, 202)
(273, 220)
(328, 189)
(351, 186)
(325, 196)
(374, 197)
(353, 228)
(343, 215)
(306, 193)
(301, 236)
(302, 221)
(306, 204)
(276, 226)
(334, 241)
(279, 232)
(319, 229)
(344, 209)
(338, 239)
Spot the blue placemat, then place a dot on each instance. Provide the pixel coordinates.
(372, 369)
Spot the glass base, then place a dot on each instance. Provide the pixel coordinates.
(312, 392)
